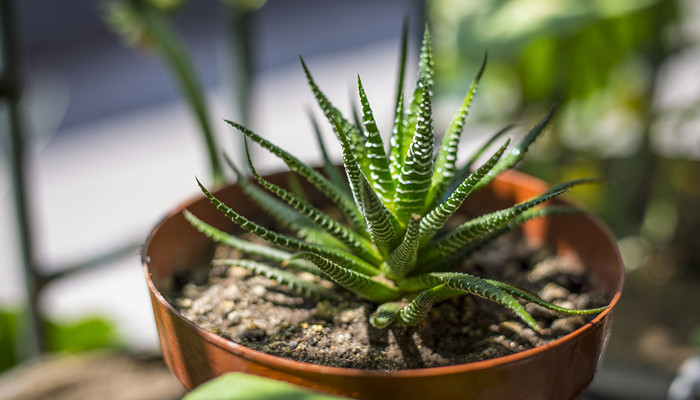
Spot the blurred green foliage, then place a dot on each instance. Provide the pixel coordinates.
(8, 329)
(239, 386)
(61, 336)
(600, 62)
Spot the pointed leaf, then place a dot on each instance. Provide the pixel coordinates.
(402, 260)
(352, 168)
(329, 167)
(284, 215)
(531, 298)
(423, 89)
(397, 151)
(480, 226)
(472, 285)
(356, 243)
(361, 284)
(445, 167)
(352, 131)
(377, 161)
(448, 260)
(511, 158)
(347, 260)
(384, 315)
(337, 196)
(464, 171)
(435, 219)
(402, 70)
(416, 174)
(288, 279)
(266, 252)
(381, 224)
(418, 308)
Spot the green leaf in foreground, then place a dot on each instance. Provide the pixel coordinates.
(240, 386)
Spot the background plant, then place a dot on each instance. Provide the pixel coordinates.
(394, 250)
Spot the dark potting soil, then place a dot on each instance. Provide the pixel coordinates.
(263, 315)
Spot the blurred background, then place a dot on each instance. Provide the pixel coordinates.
(108, 107)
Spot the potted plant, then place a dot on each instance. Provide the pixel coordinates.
(393, 233)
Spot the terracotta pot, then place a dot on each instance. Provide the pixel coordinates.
(559, 370)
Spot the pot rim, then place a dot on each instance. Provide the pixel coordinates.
(277, 362)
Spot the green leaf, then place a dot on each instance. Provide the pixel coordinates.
(445, 162)
(395, 152)
(416, 174)
(436, 218)
(329, 167)
(289, 243)
(511, 158)
(352, 168)
(332, 113)
(402, 71)
(377, 161)
(402, 260)
(381, 224)
(384, 315)
(478, 243)
(240, 386)
(288, 279)
(359, 283)
(253, 249)
(413, 313)
(284, 215)
(531, 298)
(459, 176)
(470, 284)
(456, 240)
(418, 308)
(423, 89)
(337, 196)
(353, 241)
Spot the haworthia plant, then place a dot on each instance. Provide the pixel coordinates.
(394, 250)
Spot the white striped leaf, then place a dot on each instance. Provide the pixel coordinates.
(377, 161)
(359, 245)
(470, 284)
(337, 196)
(445, 162)
(359, 283)
(348, 260)
(288, 279)
(402, 260)
(436, 218)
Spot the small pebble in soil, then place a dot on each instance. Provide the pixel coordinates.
(258, 291)
(565, 325)
(233, 317)
(553, 291)
(184, 303)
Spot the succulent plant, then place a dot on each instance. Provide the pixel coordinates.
(391, 247)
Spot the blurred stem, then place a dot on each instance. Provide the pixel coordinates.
(173, 51)
(238, 30)
(31, 334)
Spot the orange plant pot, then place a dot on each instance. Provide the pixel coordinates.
(561, 369)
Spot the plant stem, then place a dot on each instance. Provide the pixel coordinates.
(173, 51)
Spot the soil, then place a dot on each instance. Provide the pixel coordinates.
(263, 315)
